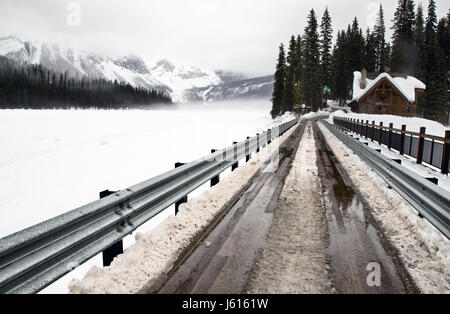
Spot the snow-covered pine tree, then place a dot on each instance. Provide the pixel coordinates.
(278, 89)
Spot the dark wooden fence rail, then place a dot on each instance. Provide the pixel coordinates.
(430, 149)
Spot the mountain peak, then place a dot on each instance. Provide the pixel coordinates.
(182, 83)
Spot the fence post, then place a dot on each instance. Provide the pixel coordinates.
(380, 132)
(269, 136)
(215, 180)
(117, 248)
(402, 140)
(367, 128)
(236, 164)
(446, 153)
(247, 149)
(373, 130)
(391, 126)
(184, 199)
(420, 147)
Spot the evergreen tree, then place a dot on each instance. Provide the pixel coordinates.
(278, 88)
(340, 83)
(299, 59)
(311, 55)
(326, 37)
(370, 57)
(419, 42)
(402, 60)
(381, 55)
(435, 97)
(355, 47)
(288, 103)
(299, 98)
(443, 35)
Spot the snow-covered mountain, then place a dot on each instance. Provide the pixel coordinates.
(183, 83)
(260, 87)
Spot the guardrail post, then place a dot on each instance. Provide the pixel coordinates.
(117, 248)
(184, 199)
(446, 153)
(236, 164)
(379, 133)
(247, 149)
(420, 147)
(257, 142)
(433, 180)
(361, 127)
(215, 180)
(402, 139)
(391, 126)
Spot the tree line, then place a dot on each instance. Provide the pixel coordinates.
(312, 67)
(30, 86)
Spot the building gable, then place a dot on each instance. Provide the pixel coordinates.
(382, 86)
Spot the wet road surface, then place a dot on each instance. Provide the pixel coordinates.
(354, 242)
(224, 258)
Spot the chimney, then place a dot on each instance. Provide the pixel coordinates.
(363, 83)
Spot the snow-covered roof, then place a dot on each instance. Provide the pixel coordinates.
(406, 86)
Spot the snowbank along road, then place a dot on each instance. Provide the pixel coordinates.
(321, 223)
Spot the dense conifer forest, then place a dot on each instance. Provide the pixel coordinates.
(312, 69)
(34, 87)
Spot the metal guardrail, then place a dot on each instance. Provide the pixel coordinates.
(431, 201)
(35, 257)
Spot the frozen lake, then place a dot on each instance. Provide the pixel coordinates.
(52, 161)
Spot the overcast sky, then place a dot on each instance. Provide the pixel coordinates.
(236, 35)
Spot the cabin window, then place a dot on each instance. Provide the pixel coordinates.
(409, 109)
(382, 96)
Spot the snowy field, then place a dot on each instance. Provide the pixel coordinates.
(53, 161)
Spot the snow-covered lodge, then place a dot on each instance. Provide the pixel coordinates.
(386, 94)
